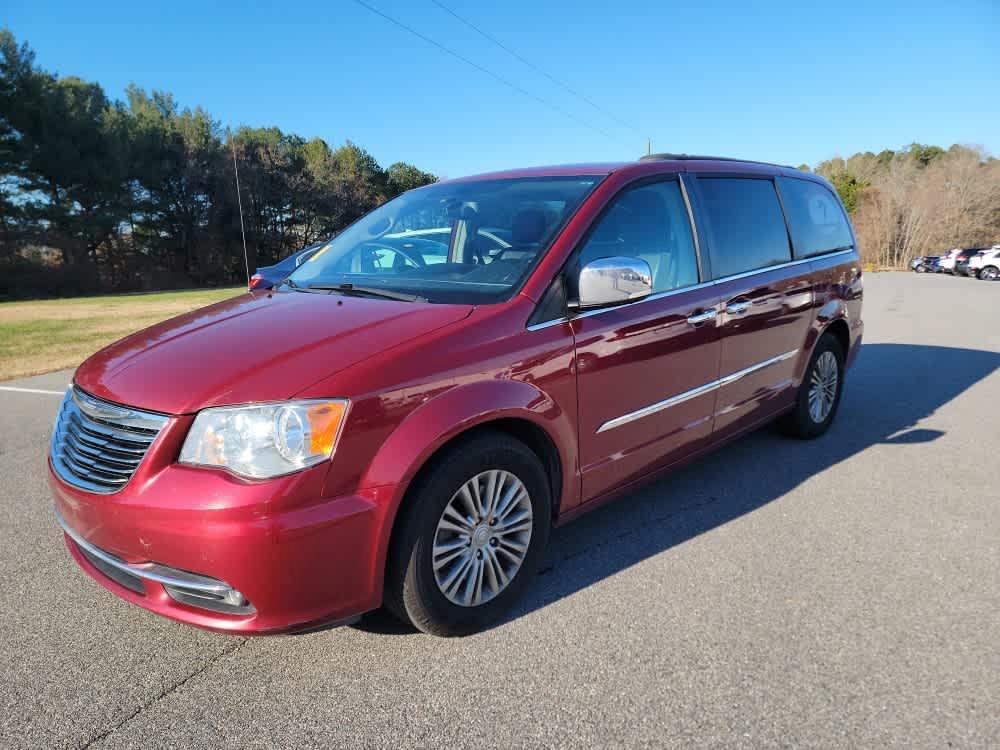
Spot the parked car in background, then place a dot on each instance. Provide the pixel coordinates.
(267, 277)
(946, 261)
(391, 427)
(950, 261)
(986, 264)
(962, 260)
(925, 264)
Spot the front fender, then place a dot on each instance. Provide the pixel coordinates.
(431, 425)
(434, 423)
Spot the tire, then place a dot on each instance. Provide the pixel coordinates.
(803, 421)
(989, 273)
(920, 269)
(427, 597)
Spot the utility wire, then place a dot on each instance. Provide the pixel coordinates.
(491, 74)
(516, 56)
(239, 199)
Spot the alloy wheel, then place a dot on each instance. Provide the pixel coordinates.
(482, 538)
(823, 386)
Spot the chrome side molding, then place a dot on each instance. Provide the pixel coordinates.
(701, 390)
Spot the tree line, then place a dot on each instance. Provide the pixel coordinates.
(921, 200)
(98, 194)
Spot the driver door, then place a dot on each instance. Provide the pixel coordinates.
(645, 370)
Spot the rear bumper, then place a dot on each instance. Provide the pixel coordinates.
(296, 562)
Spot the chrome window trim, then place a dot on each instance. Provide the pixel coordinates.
(547, 323)
(693, 393)
(779, 266)
(702, 285)
(149, 571)
(694, 228)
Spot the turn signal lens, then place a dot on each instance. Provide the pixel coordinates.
(324, 425)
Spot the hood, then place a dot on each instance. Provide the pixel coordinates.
(255, 347)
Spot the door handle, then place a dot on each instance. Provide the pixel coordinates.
(702, 317)
(737, 308)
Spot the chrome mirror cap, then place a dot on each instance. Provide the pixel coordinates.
(610, 281)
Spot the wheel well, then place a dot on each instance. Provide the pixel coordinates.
(839, 330)
(521, 429)
(528, 433)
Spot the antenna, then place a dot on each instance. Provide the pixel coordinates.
(239, 201)
(649, 146)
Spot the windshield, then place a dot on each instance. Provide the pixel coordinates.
(463, 242)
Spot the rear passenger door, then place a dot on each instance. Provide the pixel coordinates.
(766, 299)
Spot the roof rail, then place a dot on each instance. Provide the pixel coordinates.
(690, 157)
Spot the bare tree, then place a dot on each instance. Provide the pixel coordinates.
(921, 202)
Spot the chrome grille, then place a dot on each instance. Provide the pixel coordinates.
(97, 445)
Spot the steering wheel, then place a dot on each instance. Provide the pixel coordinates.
(415, 259)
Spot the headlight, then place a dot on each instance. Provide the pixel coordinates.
(265, 440)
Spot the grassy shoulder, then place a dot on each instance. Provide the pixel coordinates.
(46, 335)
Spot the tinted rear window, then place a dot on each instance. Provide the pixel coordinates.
(816, 219)
(745, 223)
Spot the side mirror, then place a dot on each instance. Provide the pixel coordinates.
(611, 281)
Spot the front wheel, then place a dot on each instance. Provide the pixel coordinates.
(920, 269)
(989, 273)
(819, 394)
(471, 536)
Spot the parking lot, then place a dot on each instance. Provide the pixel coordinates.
(842, 592)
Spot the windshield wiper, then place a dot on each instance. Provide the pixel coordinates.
(367, 291)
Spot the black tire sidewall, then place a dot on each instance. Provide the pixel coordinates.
(424, 603)
(805, 425)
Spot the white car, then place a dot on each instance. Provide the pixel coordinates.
(986, 264)
(948, 260)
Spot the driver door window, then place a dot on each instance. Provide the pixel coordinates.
(649, 222)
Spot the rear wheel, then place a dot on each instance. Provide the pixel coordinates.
(989, 273)
(819, 394)
(471, 536)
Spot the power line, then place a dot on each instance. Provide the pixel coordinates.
(553, 79)
(490, 73)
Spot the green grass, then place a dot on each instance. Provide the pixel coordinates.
(47, 335)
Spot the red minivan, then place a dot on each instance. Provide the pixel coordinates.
(403, 420)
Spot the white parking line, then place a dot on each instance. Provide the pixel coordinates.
(30, 390)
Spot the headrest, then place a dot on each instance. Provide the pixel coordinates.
(528, 226)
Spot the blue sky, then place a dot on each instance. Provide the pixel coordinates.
(790, 82)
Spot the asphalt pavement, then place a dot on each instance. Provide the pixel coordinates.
(843, 592)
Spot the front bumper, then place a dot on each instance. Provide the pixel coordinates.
(185, 539)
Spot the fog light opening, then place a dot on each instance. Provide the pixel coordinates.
(232, 602)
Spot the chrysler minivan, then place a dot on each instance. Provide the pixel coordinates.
(457, 372)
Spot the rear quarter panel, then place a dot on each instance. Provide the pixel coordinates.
(839, 294)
